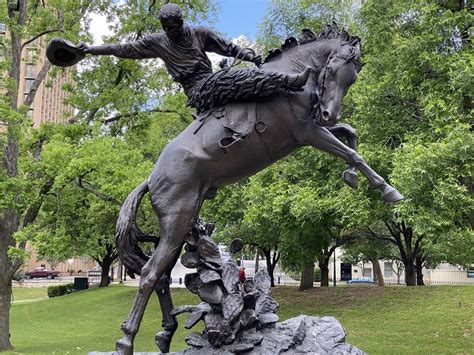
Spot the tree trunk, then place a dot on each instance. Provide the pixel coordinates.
(5, 302)
(307, 277)
(410, 274)
(9, 222)
(324, 267)
(104, 276)
(271, 263)
(377, 271)
(257, 260)
(419, 272)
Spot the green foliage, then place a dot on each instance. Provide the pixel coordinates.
(60, 290)
(286, 18)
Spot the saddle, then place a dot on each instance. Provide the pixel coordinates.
(237, 119)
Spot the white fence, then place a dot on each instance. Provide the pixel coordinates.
(438, 277)
(447, 277)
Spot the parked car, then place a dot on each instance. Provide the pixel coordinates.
(41, 272)
(361, 280)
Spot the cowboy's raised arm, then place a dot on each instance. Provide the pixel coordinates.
(217, 44)
(147, 47)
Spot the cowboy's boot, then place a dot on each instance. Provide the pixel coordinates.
(297, 81)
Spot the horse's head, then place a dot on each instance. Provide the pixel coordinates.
(335, 78)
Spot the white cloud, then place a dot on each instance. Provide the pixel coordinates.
(241, 41)
(99, 28)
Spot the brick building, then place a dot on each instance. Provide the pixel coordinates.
(48, 106)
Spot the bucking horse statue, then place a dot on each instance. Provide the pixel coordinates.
(227, 144)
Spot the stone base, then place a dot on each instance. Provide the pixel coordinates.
(301, 335)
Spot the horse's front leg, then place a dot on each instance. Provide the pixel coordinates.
(347, 132)
(320, 138)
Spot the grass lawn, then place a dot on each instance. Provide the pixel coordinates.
(390, 320)
(25, 294)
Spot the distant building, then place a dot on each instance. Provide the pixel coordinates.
(48, 105)
(393, 273)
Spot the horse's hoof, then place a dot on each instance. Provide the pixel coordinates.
(350, 178)
(124, 346)
(391, 194)
(163, 341)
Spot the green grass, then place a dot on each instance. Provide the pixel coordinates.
(391, 320)
(22, 294)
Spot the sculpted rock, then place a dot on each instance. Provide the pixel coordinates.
(232, 306)
(241, 318)
(230, 277)
(262, 281)
(192, 282)
(236, 245)
(208, 250)
(196, 340)
(211, 292)
(208, 276)
(266, 304)
(190, 260)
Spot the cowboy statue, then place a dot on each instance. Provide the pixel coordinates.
(183, 50)
(262, 115)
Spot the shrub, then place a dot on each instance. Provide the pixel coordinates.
(317, 275)
(60, 290)
(19, 276)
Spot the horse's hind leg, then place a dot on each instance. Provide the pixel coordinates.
(169, 323)
(320, 138)
(173, 229)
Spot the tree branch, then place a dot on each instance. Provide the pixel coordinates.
(90, 188)
(37, 82)
(132, 114)
(38, 36)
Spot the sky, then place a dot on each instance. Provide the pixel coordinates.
(240, 17)
(235, 18)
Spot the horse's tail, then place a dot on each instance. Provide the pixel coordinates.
(128, 235)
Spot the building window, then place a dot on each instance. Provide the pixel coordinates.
(28, 85)
(30, 113)
(30, 55)
(3, 28)
(30, 71)
(387, 269)
(367, 272)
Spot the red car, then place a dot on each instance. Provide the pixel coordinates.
(41, 272)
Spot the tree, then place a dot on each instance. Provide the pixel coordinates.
(122, 95)
(25, 22)
(411, 102)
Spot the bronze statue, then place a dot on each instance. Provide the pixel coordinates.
(183, 50)
(293, 100)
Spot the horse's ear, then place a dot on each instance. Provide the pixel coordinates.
(345, 35)
(306, 36)
(326, 31)
(355, 41)
(289, 43)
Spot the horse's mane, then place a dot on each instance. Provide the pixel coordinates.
(306, 36)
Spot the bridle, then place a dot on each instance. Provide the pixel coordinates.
(316, 110)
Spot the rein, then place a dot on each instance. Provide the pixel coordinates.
(316, 111)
